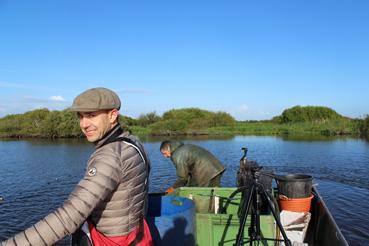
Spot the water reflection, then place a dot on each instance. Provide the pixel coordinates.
(313, 138)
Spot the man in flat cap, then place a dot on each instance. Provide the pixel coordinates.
(110, 200)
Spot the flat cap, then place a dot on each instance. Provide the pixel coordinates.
(95, 99)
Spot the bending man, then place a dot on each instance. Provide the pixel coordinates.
(111, 197)
(195, 166)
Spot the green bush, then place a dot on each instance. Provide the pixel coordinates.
(127, 121)
(69, 125)
(222, 119)
(10, 124)
(294, 121)
(148, 119)
(364, 127)
(60, 124)
(169, 127)
(309, 114)
(40, 123)
(199, 118)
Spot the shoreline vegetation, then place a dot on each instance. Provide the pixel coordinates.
(295, 121)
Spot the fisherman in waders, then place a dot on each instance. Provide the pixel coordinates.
(110, 200)
(195, 166)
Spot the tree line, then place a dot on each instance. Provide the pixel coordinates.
(65, 124)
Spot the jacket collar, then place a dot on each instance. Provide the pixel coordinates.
(109, 136)
(174, 145)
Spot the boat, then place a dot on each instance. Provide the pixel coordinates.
(215, 226)
(209, 217)
(251, 213)
(247, 214)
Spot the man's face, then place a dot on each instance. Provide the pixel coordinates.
(96, 124)
(165, 153)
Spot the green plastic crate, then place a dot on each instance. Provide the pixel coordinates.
(221, 228)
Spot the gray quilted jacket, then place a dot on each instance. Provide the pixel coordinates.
(112, 195)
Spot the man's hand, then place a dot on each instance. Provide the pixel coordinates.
(169, 190)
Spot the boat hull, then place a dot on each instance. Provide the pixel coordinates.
(323, 229)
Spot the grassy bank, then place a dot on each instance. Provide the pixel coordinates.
(331, 128)
(191, 121)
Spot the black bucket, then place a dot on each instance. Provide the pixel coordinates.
(295, 185)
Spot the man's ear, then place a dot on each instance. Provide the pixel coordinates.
(113, 115)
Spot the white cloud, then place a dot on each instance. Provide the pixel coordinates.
(57, 98)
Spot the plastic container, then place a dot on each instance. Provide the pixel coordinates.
(171, 219)
(295, 185)
(295, 204)
(218, 227)
(222, 229)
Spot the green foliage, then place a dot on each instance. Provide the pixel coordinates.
(277, 119)
(61, 124)
(331, 128)
(139, 130)
(169, 127)
(364, 127)
(148, 119)
(10, 124)
(308, 114)
(28, 124)
(50, 124)
(31, 123)
(190, 120)
(186, 114)
(222, 119)
(294, 121)
(127, 121)
(199, 118)
(40, 123)
(69, 125)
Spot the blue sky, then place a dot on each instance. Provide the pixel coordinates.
(252, 59)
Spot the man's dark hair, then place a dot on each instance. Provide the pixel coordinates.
(165, 145)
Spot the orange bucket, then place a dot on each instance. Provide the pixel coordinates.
(295, 204)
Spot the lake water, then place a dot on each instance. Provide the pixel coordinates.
(37, 175)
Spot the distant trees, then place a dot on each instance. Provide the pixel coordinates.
(317, 119)
(40, 123)
(308, 114)
(61, 124)
(179, 121)
(127, 121)
(364, 128)
(27, 124)
(148, 119)
(10, 124)
(295, 120)
(51, 124)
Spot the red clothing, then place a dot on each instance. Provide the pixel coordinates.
(99, 239)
